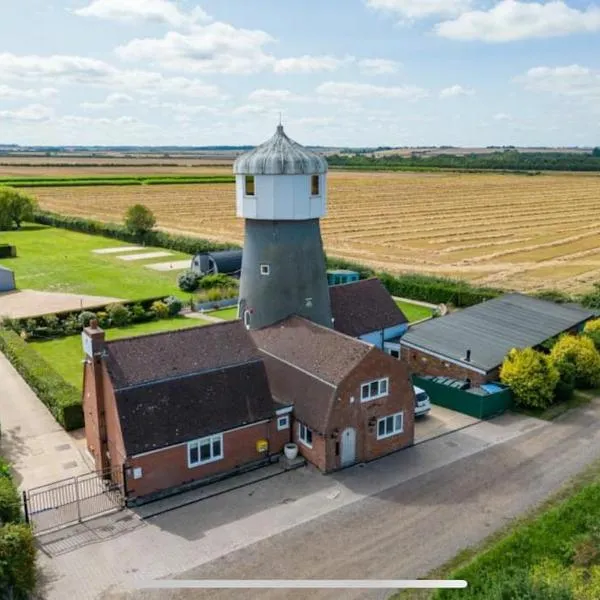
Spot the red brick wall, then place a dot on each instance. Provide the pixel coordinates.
(317, 455)
(169, 467)
(420, 363)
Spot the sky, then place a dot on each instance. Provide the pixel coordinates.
(340, 72)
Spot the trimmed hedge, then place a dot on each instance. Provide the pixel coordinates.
(161, 239)
(63, 399)
(17, 561)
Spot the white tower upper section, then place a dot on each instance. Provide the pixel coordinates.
(281, 180)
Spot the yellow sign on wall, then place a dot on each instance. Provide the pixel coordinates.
(262, 446)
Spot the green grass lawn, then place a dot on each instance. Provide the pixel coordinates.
(413, 312)
(65, 354)
(57, 260)
(227, 314)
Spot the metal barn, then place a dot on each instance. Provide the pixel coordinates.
(228, 262)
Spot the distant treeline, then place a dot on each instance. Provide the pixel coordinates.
(120, 180)
(509, 160)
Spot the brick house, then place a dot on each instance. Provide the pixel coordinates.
(472, 343)
(352, 402)
(365, 309)
(176, 407)
(168, 410)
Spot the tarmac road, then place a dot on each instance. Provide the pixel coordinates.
(413, 527)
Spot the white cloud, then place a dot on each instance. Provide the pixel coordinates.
(512, 20)
(572, 81)
(81, 70)
(420, 9)
(157, 11)
(111, 101)
(366, 90)
(9, 93)
(502, 117)
(270, 96)
(378, 66)
(309, 64)
(218, 47)
(33, 112)
(455, 90)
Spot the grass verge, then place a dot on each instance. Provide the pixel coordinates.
(414, 312)
(535, 552)
(227, 314)
(579, 398)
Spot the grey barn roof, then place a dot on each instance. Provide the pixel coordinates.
(280, 156)
(491, 329)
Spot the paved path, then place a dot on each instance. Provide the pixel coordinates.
(28, 303)
(254, 517)
(40, 450)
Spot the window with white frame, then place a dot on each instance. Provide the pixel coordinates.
(205, 450)
(374, 389)
(391, 425)
(305, 435)
(265, 269)
(283, 422)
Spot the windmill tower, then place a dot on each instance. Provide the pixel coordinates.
(281, 192)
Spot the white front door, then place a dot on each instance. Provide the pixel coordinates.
(348, 450)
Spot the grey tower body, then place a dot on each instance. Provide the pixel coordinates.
(296, 283)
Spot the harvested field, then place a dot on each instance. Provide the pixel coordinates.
(513, 231)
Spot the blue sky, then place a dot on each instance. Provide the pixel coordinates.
(341, 72)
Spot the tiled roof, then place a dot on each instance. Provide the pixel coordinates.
(320, 351)
(362, 307)
(179, 410)
(148, 358)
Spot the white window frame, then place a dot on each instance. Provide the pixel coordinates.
(283, 422)
(383, 383)
(265, 269)
(303, 434)
(210, 440)
(395, 429)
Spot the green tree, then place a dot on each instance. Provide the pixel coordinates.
(15, 207)
(531, 376)
(139, 219)
(580, 352)
(596, 152)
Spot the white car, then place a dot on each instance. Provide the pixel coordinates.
(422, 402)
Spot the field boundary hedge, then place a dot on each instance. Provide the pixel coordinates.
(161, 239)
(62, 399)
(118, 180)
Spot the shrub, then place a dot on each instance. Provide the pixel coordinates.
(174, 305)
(85, 317)
(63, 399)
(119, 315)
(592, 330)
(531, 376)
(71, 325)
(17, 561)
(138, 313)
(553, 296)
(188, 281)
(581, 353)
(5, 469)
(10, 502)
(566, 384)
(15, 207)
(160, 310)
(217, 280)
(103, 319)
(139, 219)
(214, 295)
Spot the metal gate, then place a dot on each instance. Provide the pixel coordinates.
(74, 500)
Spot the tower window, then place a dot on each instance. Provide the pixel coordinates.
(265, 269)
(314, 185)
(249, 185)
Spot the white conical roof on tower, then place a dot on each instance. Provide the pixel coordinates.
(280, 156)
